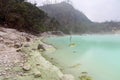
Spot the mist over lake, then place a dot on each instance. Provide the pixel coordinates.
(59, 40)
(98, 55)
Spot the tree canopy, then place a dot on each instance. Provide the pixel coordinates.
(25, 16)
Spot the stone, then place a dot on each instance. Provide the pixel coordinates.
(37, 74)
(3, 73)
(67, 77)
(27, 39)
(84, 76)
(51, 58)
(26, 45)
(18, 50)
(1, 39)
(7, 69)
(40, 47)
(34, 49)
(0, 74)
(26, 67)
(17, 45)
(37, 64)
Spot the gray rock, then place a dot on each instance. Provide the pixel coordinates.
(67, 77)
(28, 39)
(17, 45)
(0, 74)
(26, 45)
(84, 76)
(40, 47)
(18, 50)
(37, 74)
(26, 67)
(34, 49)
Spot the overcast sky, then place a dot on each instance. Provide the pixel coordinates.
(95, 10)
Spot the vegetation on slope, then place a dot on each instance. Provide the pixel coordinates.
(71, 20)
(23, 15)
(74, 21)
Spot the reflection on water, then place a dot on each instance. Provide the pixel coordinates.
(98, 55)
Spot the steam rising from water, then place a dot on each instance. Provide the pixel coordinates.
(99, 55)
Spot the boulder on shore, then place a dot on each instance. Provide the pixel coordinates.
(67, 77)
(26, 67)
(41, 47)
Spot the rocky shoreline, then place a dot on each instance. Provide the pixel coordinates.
(21, 59)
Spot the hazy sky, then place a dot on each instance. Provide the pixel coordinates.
(95, 10)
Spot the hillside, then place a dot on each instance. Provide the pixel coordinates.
(25, 16)
(74, 21)
(67, 16)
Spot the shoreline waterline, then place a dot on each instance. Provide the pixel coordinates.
(41, 64)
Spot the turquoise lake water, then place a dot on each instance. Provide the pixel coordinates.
(98, 55)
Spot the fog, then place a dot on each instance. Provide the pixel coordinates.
(95, 10)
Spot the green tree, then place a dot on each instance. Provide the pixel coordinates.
(25, 16)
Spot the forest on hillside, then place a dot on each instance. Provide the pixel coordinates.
(76, 22)
(25, 16)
